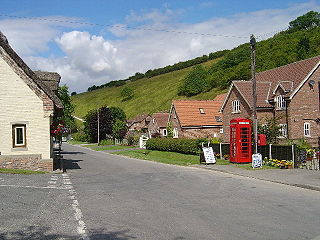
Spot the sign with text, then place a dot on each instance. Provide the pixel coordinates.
(256, 160)
(209, 155)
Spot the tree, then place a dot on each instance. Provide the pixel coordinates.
(73, 93)
(270, 127)
(127, 93)
(117, 113)
(119, 129)
(68, 108)
(307, 21)
(169, 130)
(105, 124)
(195, 82)
(303, 48)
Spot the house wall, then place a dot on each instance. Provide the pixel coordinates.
(304, 107)
(20, 104)
(200, 133)
(245, 112)
(175, 121)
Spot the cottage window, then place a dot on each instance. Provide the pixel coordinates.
(19, 135)
(165, 132)
(235, 106)
(280, 102)
(221, 130)
(283, 130)
(201, 110)
(175, 133)
(306, 129)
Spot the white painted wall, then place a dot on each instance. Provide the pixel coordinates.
(18, 103)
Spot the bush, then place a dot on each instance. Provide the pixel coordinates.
(80, 137)
(180, 145)
(106, 142)
(133, 138)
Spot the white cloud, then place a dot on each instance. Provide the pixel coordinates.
(91, 59)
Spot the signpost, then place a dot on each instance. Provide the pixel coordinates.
(256, 160)
(208, 154)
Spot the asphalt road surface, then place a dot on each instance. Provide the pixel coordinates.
(103, 196)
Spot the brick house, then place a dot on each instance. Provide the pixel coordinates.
(139, 124)
(158, 124)
(196, 119)
(290, 93)
(27, 106)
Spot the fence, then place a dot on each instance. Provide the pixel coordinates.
(280, 152)
(283, 152)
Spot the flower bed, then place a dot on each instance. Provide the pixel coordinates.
(284, 164)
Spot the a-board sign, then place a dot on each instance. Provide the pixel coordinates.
(209, 155)
(256, 160)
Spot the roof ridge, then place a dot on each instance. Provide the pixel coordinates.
(304, 60)
(26, 69)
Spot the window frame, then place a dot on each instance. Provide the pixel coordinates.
(307, 131)
(236, 106)
(15, 127)
(165, 132)
(281, 103)
(175, 133)
(283, 130)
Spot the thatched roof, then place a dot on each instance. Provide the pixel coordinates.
(24, 67)
(51, 79)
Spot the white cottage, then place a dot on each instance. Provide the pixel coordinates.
(27, 106)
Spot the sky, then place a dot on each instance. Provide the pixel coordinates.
(92, 42)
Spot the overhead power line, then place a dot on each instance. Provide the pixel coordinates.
(134, 28)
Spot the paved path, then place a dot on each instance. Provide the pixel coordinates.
(303, 178)
(103, 196)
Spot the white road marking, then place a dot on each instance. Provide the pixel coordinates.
(21, 186)
(81, 228)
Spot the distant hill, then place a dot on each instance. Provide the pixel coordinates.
(153, 94)
(150, 94)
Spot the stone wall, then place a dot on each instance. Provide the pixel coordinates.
(29, 162)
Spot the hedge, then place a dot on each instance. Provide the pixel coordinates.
(180, 145)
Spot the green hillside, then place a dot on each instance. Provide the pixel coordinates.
(150, 94)
(156, 93)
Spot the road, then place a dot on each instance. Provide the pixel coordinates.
(103, 196)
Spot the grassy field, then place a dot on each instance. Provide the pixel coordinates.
(150, 95)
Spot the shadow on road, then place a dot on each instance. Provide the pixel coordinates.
(42, 233)
(69, 164)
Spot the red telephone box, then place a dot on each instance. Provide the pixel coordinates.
(240, 140)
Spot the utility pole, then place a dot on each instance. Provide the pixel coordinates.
(254, 91)
(98, 125)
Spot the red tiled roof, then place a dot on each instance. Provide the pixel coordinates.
(263, 92)
(295, 72)
(289, 76)
(188, 112)
(162, 119)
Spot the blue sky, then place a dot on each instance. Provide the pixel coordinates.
(117, 44)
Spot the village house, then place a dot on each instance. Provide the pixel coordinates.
(139, 124)
(158, 125)
(27, 107)
(196, 119)
(289, 93)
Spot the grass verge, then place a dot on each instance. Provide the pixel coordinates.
(19, 171)
(180, 159)
(110, 147)
(163, 157)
